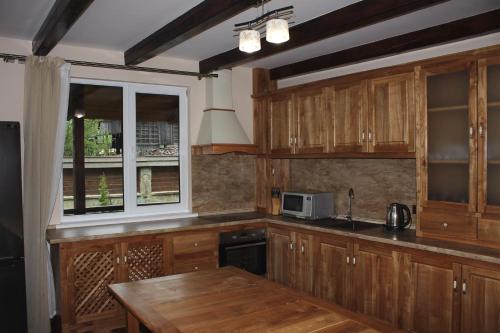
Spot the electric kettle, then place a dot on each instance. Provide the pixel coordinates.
(398, 216)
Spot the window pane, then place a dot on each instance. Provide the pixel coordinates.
(93, 159)
(157, 145)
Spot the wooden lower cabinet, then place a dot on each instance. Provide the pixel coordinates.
(480, 300)
(333, 269)
(291, 259)
(434, 303)
(280, 256)
(375, 281)
(87, 268)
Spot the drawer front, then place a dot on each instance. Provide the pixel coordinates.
(448, 224)
(195, 245)
(186, 266)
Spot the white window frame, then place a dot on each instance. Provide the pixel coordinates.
(133, 212)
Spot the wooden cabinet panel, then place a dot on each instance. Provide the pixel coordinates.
(481, 300)
(448, 223)
(333, 269)
(87, 271)
(186, 266)
(375, 282)
(260, 124)
(435, 295)
(145, 258)
(196, 245)
(347, 117)
(309, 108)
(304, 263)
(262, 189)
(280, 256)
(392, 114)
(280, 124)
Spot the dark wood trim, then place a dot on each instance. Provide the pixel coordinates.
(217, 109)
(62, 16)
(202, 17)
(355, 16)
(384, 155)
(261, 82)
(464, 28)
(78, 165)
(223, 148)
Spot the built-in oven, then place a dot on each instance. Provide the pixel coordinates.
(245, 249)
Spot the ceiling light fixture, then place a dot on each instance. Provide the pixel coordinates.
(275, 23)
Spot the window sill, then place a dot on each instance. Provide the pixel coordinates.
(118, 218)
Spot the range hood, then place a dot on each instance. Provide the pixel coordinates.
(220, 130)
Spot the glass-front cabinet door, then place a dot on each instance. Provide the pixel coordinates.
(489, 149)
(448, 166)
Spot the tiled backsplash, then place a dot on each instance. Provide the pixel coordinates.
(223, 182)
(376, 182)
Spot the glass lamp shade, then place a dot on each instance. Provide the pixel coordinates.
(249, 41)
(277, 31)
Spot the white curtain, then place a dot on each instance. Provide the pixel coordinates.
(46, 96)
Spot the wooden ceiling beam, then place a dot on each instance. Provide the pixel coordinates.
(355, 16)
(468, 27)
(193, 22)
(62, 16)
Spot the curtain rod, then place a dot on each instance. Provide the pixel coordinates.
(10, 57)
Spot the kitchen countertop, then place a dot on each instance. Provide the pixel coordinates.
(232, 300)
(379, 233)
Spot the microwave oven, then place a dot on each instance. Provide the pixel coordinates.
(309, 206)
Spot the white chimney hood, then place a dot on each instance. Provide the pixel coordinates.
(220, 130)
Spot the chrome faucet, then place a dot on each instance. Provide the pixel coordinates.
(349, 212)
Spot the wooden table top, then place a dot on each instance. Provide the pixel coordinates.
(232, 300)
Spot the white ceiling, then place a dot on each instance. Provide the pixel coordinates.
(119, 24)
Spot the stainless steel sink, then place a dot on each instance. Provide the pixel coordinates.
(344, 224)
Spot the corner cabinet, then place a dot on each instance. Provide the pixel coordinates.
(458, 158)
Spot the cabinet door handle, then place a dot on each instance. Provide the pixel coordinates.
(291, 246)
(291, 141)
(481, 130)
(464, 287)
(302, 249)
(348, 259)
(471, 131)
(445, 225)
(195, 244)
(363, 136)
(354, 260)
(454, 284)
(118, 260)
(125, 259)
(196, 268)
(369, 136)
(295, 141)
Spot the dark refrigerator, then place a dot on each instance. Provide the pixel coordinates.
(12, 274)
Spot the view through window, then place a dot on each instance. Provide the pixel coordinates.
(99, 137)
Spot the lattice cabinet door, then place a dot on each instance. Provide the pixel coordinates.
(145, 258)
(90, 268)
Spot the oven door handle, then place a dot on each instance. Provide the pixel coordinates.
(242, 246)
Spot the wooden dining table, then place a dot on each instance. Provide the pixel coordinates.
(231, 300)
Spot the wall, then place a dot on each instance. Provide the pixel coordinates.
(223, 183)
(426, 53)
(376, 182)
(12, 83)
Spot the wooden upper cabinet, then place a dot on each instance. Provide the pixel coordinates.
(489, 149)
(435, 292)
(391, 125)
(480, 300)
(280, 257)
(447, 151)
(310, 116)
(332, 277)
(280, 124)
(346, 107)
